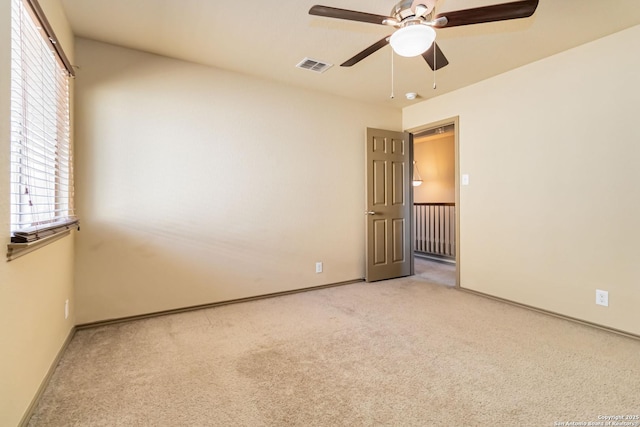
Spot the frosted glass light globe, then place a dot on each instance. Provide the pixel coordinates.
(412, 40)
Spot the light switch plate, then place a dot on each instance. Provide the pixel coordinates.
(465, 179)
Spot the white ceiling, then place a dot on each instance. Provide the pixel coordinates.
(267, 38)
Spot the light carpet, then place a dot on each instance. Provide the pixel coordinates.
(403, 352)
(439, 272)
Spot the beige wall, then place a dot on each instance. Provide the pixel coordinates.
(197, 185)
(435, 158)
(551, 212)
(33, 288)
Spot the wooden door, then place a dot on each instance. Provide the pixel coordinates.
(388, 205)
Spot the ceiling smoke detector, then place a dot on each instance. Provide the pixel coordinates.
(411, 96)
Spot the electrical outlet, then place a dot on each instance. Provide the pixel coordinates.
(318, 267)
(602, 297)
(66, 309)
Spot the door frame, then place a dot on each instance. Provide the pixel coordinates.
(455, 121)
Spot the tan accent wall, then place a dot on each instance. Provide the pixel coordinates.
(435, 158)
(551, 211)
(33, 288)
(198, 185)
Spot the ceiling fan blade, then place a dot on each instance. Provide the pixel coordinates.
(497, 12)
(350, 15)
(441, 60)
(368, 51)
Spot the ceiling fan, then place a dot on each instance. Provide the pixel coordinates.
(415, 21)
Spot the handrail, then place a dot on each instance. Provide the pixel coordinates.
(435, 229)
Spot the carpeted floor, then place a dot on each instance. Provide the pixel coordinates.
(403, 352)
(439, 272)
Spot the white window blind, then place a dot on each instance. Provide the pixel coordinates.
(41, 158)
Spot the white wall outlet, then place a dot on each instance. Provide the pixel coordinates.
(66, 309)
(318, 267)
(602, 297)
(465, 179)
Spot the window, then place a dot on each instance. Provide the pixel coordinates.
(41, 158)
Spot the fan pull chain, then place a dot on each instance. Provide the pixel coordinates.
(392, 79)
(435, 67)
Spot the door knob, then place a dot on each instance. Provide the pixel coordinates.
(370, 213)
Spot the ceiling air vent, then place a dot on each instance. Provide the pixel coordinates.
(314, 65)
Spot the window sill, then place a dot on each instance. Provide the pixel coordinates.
(16, 250)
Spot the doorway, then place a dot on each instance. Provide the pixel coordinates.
(436, 207)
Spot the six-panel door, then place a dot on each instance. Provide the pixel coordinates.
(388, 209)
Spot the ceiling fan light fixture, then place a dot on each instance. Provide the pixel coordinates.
(412, 40)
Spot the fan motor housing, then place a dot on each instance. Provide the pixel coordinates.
(402, 10)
